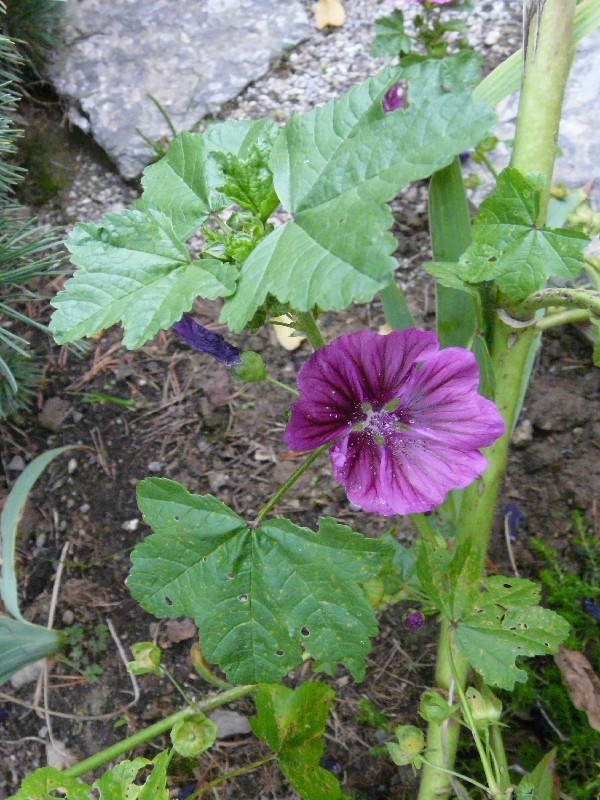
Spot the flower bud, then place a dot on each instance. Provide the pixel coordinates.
(434, 708)
(485, 707)
(193, 735)
(252, 369)
(147, 658)
(406, 750)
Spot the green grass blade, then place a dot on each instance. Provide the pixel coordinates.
(22, 643)
(9, 523)
(395, 307)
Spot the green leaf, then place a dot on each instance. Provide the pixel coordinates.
(248, 180)
(260, 598)
(334, 170)
(40, 783)
(495, 620)
(22, 643)
(292, 722)
(119, 782)
(540, 784)
(509, 248)
(133, 270)
(184, 185)
(9, 526)
(435, 76)
(390, 39)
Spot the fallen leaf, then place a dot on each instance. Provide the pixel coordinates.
(582, 683)
(179, 630)
(329, 13)
(287, 337)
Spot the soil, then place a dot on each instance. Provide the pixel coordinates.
(165, 410)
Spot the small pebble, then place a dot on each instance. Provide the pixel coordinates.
(72, 466)
(68, 617)
(131, 525)
(155, 466)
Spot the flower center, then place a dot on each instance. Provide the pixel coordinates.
(390, 419)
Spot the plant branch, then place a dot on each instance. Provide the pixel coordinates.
(233, 774)
(310, 328)
(152, 731)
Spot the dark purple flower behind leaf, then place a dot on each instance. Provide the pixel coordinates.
(414, 620)
(513, 517)
(200, 338)
(591, 608)
(393, 99)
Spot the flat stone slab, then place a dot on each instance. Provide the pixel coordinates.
(191, 55)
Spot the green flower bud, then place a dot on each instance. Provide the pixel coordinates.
(485, 707)
(193, 735)
(434, 708)
(147, 658)
(252, 369)
(411, 742)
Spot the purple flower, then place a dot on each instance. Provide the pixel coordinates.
(513, 518)
(405, 419)
(414, 620)
(200, 338)
(393, 99)
(591, 608)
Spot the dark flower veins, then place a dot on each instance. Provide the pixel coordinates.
(404, 419)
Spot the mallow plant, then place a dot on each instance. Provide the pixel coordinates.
(415, 422)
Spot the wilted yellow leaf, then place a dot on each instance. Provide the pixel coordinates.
(287, 337)
(329, 13)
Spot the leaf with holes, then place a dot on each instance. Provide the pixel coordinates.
(261, 597)
(39, 784)
(494, 620)
(119, 783)
(335, 169)
(292, 722)
(134, 270)
(510, 249)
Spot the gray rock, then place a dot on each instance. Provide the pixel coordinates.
(579, 161)
(191, 56)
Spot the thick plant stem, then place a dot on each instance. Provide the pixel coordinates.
(548, 60)
(125, 745)
(310, 328)
(512, 351)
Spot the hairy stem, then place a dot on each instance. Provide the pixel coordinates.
(289, 483)
(512, 351)
(151, 732)
(310, 328)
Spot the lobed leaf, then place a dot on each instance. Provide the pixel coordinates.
(510, 249)
(185, 184)
(335, 169)
(261, 598)
(390, 38)
(292, 722)
(134, 270)
(39, 784)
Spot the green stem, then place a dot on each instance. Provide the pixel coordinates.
(281, 385)
(310, 328)
(289, 483)
(511, 351)
(152, 731)
(395, 307)
(562, 318)
(453, 774)
(548, 61)
(500, 755)
(233, 774)
(424, 528)
(588, 299)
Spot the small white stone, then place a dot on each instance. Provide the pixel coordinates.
(72, 466)
(131, 525)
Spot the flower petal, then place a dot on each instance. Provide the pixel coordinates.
(356, 368)
(442, 401)
(200, 338)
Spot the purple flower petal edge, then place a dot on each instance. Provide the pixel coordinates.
(404, 418)
(200, 338)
